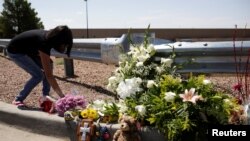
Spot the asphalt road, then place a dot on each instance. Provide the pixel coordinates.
(12, 133)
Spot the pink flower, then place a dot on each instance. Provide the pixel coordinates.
(190, 96)
(238, 87)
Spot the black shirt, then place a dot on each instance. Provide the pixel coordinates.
(29, 42)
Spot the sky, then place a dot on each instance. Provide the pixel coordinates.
(141, 13)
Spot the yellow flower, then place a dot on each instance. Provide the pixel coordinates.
(92, 113)
(84, 113)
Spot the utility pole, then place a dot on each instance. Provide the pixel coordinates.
(87, 18)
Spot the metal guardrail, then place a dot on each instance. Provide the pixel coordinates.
(209, 57)
(204, 56)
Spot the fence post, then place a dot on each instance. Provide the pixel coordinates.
(69, 67)
(5, 51)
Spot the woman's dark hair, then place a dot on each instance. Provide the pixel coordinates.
(60, 35)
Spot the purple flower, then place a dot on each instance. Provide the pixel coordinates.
(69, 102)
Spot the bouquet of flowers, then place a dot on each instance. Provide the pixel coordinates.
(70, 102)
(158, 96)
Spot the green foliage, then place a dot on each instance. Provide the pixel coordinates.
(18, 16)
(112, 110)
(169, 83)
(176, 117)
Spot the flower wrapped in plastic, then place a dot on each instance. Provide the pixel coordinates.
(70, 102)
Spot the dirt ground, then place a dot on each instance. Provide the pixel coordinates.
(90, 80)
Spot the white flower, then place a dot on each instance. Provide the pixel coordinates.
(107, 104)
(132, 50)
(139, 53)
(151, 83)
(137, 80)
(127, 65)
(139, 64)
(113, 82)
(112, 79)
(143, 57)
(98, 105)
(205, 82)
(159, 70)
(129, 87)
(179, 79)
(169, 96)
(122, 106)
(151, 48)
(141, 109)
(110, 88)
(167, 62)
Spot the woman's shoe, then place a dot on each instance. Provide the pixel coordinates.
(18, 103)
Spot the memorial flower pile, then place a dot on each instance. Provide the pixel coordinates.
(155, 94)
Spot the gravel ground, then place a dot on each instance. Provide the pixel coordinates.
(90, 80)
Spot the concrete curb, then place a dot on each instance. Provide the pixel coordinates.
(33, 120)
(52, 125)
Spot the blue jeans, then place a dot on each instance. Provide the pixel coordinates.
(34, 68)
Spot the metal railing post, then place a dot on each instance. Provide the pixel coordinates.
(5, 52)
(69, 67)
